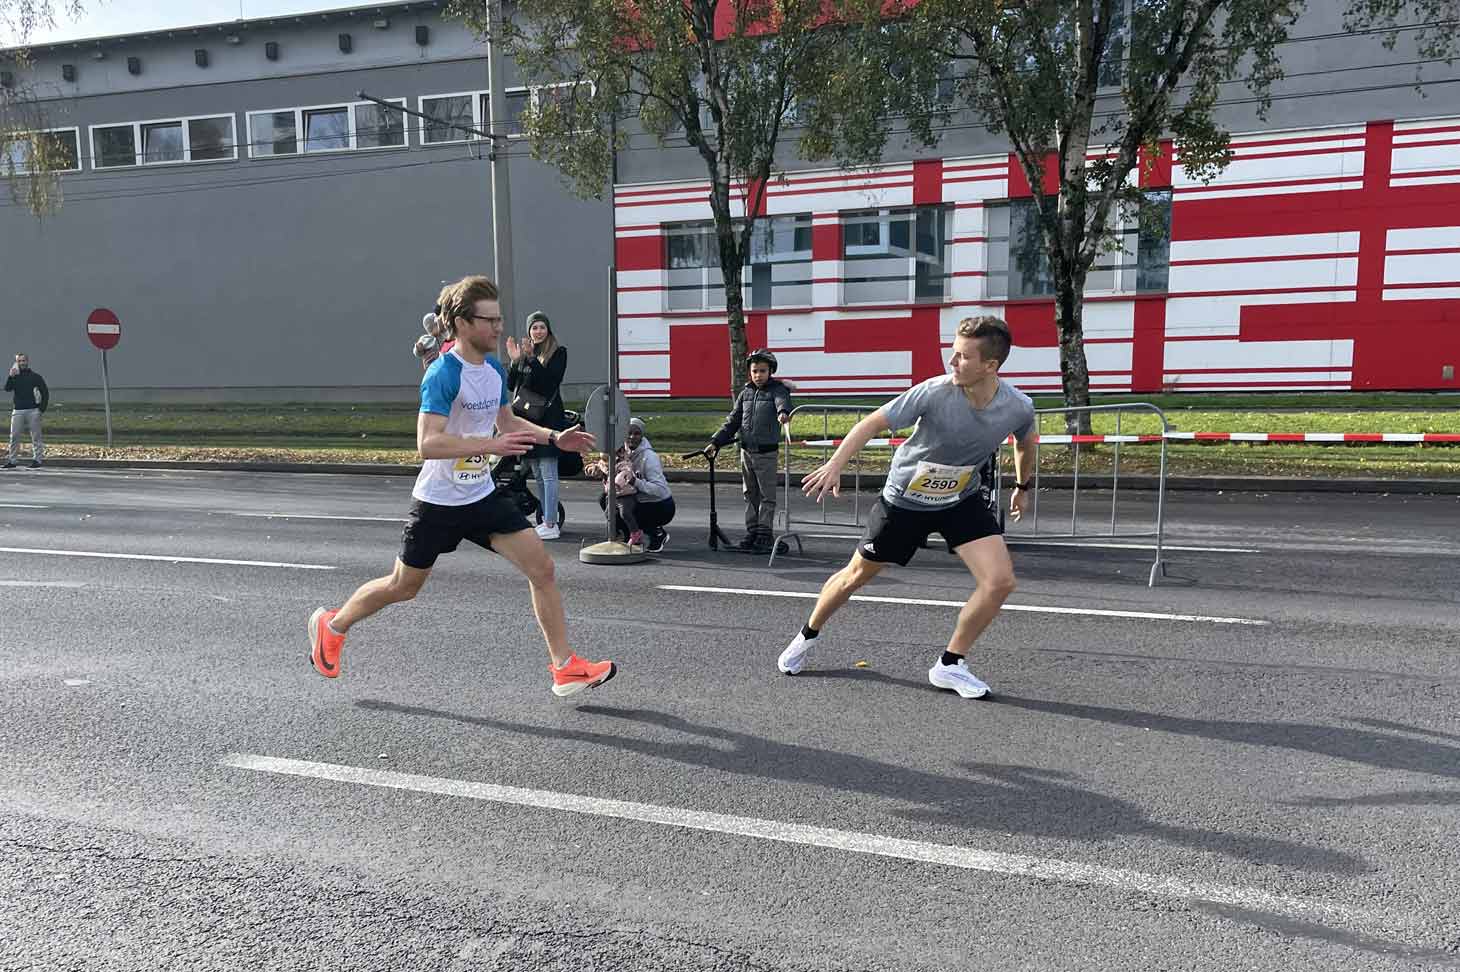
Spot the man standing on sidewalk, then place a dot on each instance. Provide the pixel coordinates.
(32, 398)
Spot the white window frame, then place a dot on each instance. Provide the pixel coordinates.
(909, 255)
(301, 137)
(75, 131)
(138, 148)
(477, 114)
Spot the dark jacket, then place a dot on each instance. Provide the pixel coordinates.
(546, 380)
(754, 417)
(25, 386)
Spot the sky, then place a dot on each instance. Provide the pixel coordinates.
(106, 17)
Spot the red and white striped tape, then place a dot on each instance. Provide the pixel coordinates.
(1406, 438)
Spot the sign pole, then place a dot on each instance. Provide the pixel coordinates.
(608, 402)
(106, 393)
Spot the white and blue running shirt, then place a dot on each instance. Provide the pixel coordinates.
(469, 396)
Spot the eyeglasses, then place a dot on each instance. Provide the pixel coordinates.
(483, 317)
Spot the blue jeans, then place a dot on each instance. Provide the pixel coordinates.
(545, 470)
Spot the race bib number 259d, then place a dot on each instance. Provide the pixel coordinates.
(936, 485)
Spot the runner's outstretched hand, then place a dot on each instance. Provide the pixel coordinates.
(827, 478)
(576, 440)
(510, 444)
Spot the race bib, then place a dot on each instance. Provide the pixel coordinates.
(935, 485)
(469, 471)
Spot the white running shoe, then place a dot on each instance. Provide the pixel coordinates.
(549, 531)
(794, 656)
(958, 678)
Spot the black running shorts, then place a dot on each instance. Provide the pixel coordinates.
(432, 529)
(894, 534)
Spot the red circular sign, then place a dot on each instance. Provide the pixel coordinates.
(103, 329)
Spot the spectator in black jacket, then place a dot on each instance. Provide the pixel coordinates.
(761, 408)
(32, 398)
(536, 381)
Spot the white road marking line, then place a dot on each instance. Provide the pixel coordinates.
(1012, 539)
(1032, 542)
(163, 559)
(22, 506)
(930, 602)
(76, 682)
(946, 855)
(322, 516)
(67, 585)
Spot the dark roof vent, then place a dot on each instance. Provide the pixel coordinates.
(200, 57)
(346, 44)
(134, 65)
(68, 72)
(271, 50)
(423, 34)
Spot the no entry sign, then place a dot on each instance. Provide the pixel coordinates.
(103, 329)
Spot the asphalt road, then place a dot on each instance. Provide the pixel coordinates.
(1254, 765)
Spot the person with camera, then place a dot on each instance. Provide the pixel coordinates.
(31, 399)
(535, 380)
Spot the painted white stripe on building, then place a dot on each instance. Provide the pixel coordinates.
(1042, 869)
(932, 602)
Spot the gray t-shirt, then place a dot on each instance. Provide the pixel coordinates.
(937, 466)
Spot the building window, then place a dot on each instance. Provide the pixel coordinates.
(895, 255)
(325, 128)
(1019, 262)
(211, 139)
(164, 142)
(446, 111)
(779, 273)
(58, 148)
(115, 145)
(695, 282)
(273, 133)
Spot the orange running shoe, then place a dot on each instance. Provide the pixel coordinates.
(578, 675)
(324, 644)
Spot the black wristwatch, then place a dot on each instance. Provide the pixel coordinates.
(552, 439)
(1025, 486)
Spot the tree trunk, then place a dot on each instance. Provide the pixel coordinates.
(734, 273)
(1074, 370)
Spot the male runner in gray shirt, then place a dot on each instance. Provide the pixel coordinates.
(933, 487)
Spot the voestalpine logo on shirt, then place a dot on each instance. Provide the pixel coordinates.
(477, 406)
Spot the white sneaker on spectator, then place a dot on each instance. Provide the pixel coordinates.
(549, 531)
(794, 656)
(957, 678)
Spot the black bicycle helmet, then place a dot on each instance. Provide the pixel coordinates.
(764, 355)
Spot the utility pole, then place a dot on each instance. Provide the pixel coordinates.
(501, 192)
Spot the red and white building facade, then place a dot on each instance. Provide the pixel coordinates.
(1320, 259)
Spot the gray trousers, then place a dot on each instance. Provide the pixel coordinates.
(758, 469)
(22, 419)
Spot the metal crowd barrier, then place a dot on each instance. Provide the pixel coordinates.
(1157, 530)
(792, 525)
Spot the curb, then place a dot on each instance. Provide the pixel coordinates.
(1212, 484)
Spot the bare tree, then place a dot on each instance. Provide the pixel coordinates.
(30, 159)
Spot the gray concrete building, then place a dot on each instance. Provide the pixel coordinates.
(263, 235)
(259, 233)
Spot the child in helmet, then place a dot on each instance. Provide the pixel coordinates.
(761, 408)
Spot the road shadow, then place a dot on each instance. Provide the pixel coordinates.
(1363, 746)
(994, 798)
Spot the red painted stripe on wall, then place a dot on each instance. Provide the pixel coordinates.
(639, 253)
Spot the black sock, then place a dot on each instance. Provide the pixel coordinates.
(951, 659)
(809, 632)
